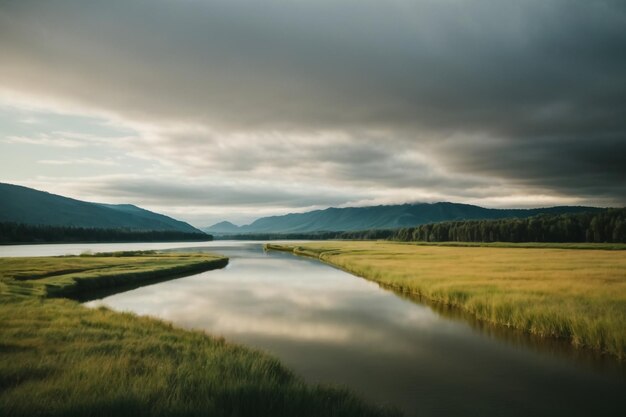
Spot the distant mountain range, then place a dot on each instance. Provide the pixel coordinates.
(25, 205)
(380, 217)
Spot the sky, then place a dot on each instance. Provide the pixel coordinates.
(210, 110)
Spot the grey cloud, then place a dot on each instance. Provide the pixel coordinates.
(532, 93)
(335, 159)
(170, 192)
(589, 166)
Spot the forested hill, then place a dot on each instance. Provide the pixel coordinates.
(382, 217)
(603, 226)
(22, 205)
(17, 233)
(606, 226)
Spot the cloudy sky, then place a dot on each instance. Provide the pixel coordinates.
(235, 109)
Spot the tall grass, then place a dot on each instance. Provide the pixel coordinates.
(58, 358)
(578, 295)
(63, 276)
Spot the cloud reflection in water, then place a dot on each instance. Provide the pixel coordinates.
(332, 327)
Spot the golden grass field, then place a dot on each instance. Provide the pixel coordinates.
(575, 294)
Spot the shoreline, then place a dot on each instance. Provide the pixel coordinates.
(60, 358)
(67, 276)
(450, 299)
(71, 242)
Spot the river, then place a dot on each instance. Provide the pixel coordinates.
(331, 327)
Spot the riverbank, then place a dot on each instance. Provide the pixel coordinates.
(59, 358)
(577, 295)
(66, 276)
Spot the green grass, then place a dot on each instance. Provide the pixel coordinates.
(58, 358)
(61, 276)
(577, 295)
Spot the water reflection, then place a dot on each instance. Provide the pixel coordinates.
(517, 338)
(78, 248)
(332, 327)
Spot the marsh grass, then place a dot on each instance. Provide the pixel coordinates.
(576, 295)
(62, 276)
(58, 358)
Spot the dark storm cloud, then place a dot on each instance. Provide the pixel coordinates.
(531, 92)
(592, 165)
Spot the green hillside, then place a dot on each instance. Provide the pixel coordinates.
(28, 206)
(382, 217)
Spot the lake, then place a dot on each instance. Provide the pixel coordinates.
(331, 327)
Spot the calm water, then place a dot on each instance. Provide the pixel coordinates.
(334, 328)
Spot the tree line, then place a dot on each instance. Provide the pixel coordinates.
(374, 234)
(27, 233)
(607, 226)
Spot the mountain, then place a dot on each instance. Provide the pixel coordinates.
(381, 217)
(224, 228)
(25, 205)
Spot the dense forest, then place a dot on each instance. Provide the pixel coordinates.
(604, 226)
(24, 233)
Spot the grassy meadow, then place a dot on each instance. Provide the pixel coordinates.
(60, 276)
(575, 294)
(58, 358)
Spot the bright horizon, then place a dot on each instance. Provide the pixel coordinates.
(232, 110)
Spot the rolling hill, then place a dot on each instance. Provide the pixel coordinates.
(380, 217)
(28, 206)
